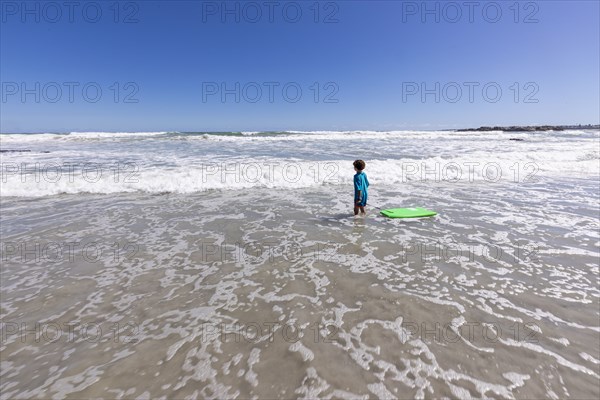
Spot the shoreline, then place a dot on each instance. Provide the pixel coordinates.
(228, 282)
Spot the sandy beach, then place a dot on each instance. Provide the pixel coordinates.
(281, 293)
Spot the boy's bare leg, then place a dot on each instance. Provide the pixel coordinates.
(356, 210)
(362, 210)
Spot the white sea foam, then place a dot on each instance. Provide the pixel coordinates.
(72, 136)
(361, 302)
(38, 178)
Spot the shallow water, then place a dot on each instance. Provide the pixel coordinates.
(171, 162)
(283, 294)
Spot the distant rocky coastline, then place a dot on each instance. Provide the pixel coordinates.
(528, 128)
(20, 151)
(15, 151)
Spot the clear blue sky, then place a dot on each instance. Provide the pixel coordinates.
(372, 57)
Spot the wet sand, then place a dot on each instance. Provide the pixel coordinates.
(284, 294)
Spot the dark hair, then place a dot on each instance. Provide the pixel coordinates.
(359, 164)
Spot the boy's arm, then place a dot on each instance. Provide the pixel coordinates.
(357, 191)
(358, 198)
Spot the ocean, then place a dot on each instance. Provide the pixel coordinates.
(229, 265)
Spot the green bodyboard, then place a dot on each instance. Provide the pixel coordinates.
(416, 212)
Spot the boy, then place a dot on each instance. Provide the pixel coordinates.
(361, 183)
